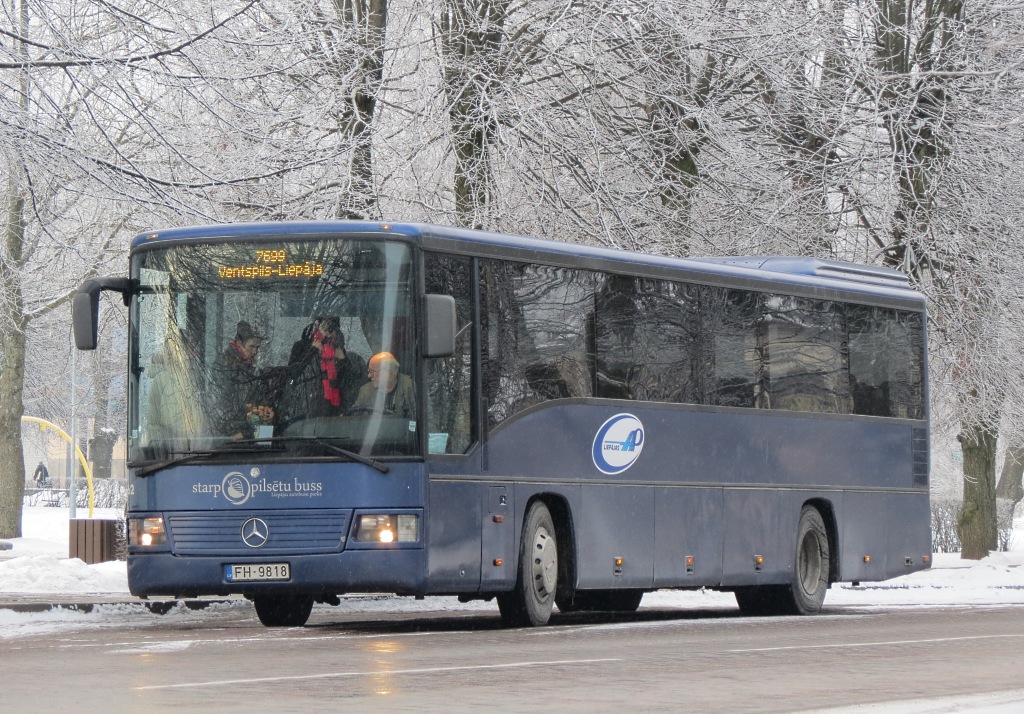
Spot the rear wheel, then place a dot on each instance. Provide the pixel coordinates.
(811, 570)
(806, 593)
(531, 602)
(283, 610)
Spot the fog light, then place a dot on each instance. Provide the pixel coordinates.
(146, 531)
(387, 528)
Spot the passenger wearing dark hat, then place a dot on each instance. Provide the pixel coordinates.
(239, 392)
(247, 341)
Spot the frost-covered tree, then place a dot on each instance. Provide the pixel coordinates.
(932, 79)
(55, 231)
(877, 130)
(119, 117)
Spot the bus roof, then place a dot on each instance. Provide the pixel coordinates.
(806, 275)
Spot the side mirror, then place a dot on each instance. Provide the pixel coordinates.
(439, 327)
(85, 308)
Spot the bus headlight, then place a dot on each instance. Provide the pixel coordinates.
(146, 531)
(388, 528)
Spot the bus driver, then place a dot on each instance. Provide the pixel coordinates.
(387, 390)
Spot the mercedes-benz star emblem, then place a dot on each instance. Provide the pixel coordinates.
(255, 532)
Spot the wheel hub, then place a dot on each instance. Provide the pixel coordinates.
(545, 563)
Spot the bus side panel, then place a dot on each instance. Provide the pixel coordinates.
(688, 523)
(881, 535)
(709, 445)
(758, 522)
(909, 543)
(864, 533)
(808, 451)
(498, 539)
(453, 536)
(615, 522)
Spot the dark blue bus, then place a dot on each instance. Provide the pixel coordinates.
(321, 408)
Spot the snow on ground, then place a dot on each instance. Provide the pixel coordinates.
(38, 566)
(39, 563)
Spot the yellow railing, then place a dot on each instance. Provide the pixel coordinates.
(43, 426)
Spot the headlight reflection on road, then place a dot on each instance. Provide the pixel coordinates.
(383, 678)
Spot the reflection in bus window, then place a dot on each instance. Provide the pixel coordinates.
(534, 319)
(316, 307)
(449, 382)
(804, 358)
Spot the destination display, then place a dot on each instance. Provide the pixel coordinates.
(271, 263)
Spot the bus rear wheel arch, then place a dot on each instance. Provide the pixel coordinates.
(812, 570)
(532, 600)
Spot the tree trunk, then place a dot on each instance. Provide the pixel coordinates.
(472, 33)
(12, 457)
(102, 453)
(12, 330)
(977, 522)
(1010, 480)
(104, 435)
(368, 18)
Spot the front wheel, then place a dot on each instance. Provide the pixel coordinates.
(283, 610)
(531, 602)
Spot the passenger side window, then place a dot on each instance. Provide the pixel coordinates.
(645, 340)
(805, 357)
(535, 325)
(449, 379)
(733, 343)
(886, 362)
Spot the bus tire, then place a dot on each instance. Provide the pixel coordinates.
(531, 602)
(806, 593)
(283, 610)
(811, 569)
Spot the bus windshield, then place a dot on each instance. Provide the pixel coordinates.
(293, 348)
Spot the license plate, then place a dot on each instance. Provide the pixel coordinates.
(260, 571)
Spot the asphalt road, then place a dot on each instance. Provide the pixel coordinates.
(654, 660)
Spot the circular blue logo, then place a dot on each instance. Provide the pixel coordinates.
(618, 443)
(236, 488)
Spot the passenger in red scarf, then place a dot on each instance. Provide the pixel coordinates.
(323, 377)
(327, 343)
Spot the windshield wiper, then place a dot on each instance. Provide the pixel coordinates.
(321, 441)
(161, 465)
(190, 456)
